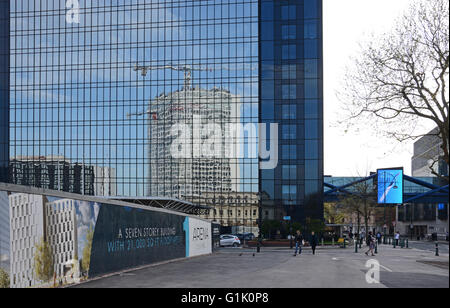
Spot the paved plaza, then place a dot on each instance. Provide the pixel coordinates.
(278, 268)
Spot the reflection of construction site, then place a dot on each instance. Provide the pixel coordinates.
(198, 179)
(185, 177)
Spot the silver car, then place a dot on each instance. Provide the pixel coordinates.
(229, 240)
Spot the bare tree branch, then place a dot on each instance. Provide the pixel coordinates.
(401, 79)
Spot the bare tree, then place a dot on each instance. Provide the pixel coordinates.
(362, 203)
(400, 80)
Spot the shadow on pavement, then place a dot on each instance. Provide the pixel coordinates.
(413, 280)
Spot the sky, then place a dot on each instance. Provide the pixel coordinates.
(346, 23)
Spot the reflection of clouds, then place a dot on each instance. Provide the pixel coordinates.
(96, 210)
(4, 258)
(87, 213)
(82, 233)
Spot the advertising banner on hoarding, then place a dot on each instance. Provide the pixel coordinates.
(51, 241)
(198, 237)
(129, 237)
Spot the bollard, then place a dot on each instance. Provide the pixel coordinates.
(437, 249)
(402, 243)
(407, 243)
(344, 244)
(332, 241)
(376, 248)
(394, 242)
(360, 244)
(356, 246)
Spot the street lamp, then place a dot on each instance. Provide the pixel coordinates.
(411, 226)
(258, 244)
(290, 224)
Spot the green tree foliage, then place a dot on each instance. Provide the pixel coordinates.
(86, 259)
(4, 279)
(43, 261)
(333, 214)
(296, 226)
(269, 228)
(316, 225)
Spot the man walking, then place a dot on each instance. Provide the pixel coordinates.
(298, 243)
(379, 238)
(397, 238)
(313, 242)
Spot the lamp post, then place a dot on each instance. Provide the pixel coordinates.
(258, 244)
(411, 227)
(385, 226)
(290, 225)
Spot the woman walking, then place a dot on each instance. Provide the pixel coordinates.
(371, 243)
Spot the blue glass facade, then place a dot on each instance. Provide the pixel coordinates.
(291, 84)
(93, 94)
(4, 90)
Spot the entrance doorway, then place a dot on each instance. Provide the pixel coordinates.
(419, 232)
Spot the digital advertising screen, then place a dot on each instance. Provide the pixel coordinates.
(390, 186)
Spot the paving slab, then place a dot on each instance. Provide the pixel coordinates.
(278, 268)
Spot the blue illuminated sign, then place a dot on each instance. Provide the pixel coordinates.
(390, 186)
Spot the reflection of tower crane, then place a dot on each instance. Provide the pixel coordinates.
(186, 69)
(154, 114)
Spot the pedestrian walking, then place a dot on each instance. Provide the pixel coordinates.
(298, 243)
(371, 243)
(397, 238)
(314, 242)
(379, 238)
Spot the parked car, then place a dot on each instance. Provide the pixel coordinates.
(437, 237)
(246, 236)
(229, 240)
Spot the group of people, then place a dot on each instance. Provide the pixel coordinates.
(371, 241)
(300, 242)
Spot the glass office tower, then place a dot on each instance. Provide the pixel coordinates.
(4, 89)
(101, 84)
(291, 94)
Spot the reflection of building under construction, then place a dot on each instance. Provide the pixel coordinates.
(59, 173)
(189, 178)
(189, 122)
